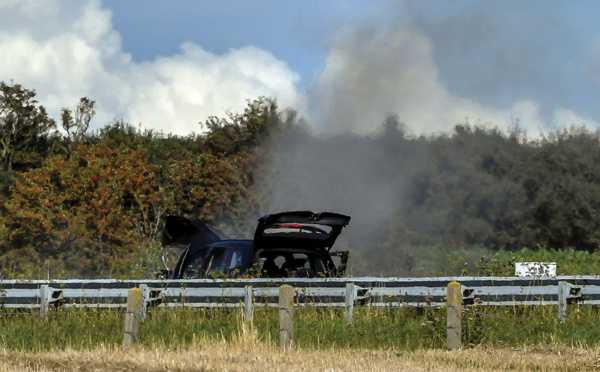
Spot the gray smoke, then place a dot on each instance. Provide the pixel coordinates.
(350, 174)
(369, 73)
(349, 157)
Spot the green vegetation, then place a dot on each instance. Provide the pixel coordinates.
(486, 262)
(372, 328)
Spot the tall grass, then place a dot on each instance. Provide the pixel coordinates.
(372, 328)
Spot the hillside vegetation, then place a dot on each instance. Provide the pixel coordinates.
(83, 203)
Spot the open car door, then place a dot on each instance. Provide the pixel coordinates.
(181, 231)
(193, 234)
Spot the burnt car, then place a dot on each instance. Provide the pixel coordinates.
(293, 244)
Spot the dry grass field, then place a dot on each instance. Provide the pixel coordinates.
(378, 340)
(246, 353)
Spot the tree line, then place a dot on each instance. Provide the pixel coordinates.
(82, 203)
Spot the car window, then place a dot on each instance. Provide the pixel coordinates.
(304, 261)
(193, 269)
(216, 261)
(301, 261)
(274, 265)
(239, 259)
(287, 264)
(236, 261)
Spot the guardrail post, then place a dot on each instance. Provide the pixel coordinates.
(44, 300)
(248, 303)
(453, 322)
(350, 298)
(286, 316)
(563, 293)
(132, 318)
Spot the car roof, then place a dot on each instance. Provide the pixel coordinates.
(245, 244)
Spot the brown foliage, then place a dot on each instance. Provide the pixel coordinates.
(92, 208)
(204, 185)
(96, 209)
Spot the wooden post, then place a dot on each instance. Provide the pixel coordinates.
(286, 316)
(145, 300)
(453, 322)
(132, 318)
(563, 293)
(248, 303)
(44, 300)
(350, 297)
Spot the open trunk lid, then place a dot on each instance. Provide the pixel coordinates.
(299, 229)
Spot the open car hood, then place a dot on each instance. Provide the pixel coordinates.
(299, 229)
(181, 231)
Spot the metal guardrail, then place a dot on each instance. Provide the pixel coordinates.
(333, 292)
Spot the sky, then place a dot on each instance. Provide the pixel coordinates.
(343, 65)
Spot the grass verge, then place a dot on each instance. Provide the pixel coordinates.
(372, 328)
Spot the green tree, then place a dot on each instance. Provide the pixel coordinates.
(77, 123)
(242, 132)
(22, 122)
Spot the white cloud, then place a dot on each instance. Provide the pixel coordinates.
(179, 88)
(67, 50)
